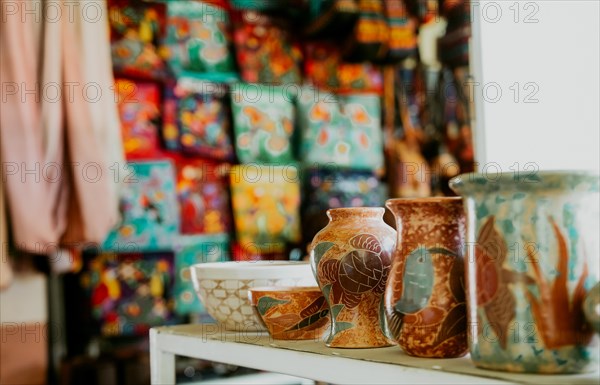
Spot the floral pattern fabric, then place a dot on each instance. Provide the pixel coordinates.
(130, 293)
(148, 207)
(139, 110)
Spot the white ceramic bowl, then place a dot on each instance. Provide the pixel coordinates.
(223, 287)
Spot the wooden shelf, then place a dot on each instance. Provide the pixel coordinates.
(313, 360)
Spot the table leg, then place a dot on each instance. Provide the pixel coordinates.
(162, 364)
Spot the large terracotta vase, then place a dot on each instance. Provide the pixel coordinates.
(532, 257)
(351, 260)
(425, 295)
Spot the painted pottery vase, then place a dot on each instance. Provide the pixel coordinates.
(351, 259)
(532, 255)
(591, 307)
(291, 313)
(425, 294)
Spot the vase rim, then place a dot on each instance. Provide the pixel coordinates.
(285, 289)
(524, 180)
(428, 200)
(364, 212)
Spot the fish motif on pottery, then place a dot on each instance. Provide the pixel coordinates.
(351, 262)
(425, 295)
(418, 278)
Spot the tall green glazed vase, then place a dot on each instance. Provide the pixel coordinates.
(532, 256)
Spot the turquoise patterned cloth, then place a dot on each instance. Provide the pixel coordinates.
(190, 250)
(340, 131)
(148, 204)
(263, 120)
(198, 39)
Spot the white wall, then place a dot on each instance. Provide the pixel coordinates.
(25, 300)
(551, 48)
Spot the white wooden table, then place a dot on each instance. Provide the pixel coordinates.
(313, 360)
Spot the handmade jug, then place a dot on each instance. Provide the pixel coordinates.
(351, 260)
(425, 294)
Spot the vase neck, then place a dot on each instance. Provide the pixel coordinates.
(425, 210)
(353, 213)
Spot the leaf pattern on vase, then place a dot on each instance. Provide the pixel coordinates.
(313, 321)
(311, 315)
(341, 326)
(499, 312)
(313, 307)
(493, 293)
(558, 318)
(266, 302)
(457, 286)
(490, 252)
(319, 251)
(284, 319)
(394, 318)
(454, 324)
(428, 316)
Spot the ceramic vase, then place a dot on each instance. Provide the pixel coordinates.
(532, 255)
(425, 294)
(351, 260)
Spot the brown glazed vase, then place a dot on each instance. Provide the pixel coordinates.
(351, 259)
(425, 294)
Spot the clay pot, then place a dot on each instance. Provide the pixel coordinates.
(425, 295)
(532, 256)
(291, 313)
(351, 259)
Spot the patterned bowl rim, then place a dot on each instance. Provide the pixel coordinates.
(251, 270)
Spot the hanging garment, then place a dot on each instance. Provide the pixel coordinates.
(61, 144)
(408, 170)
(5, 268)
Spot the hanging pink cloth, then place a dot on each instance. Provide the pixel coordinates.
(60, 134)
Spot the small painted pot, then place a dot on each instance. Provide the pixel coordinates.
(532, 256)
(291, 313)
(591, 307)
(425, 295)
(351, 259)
